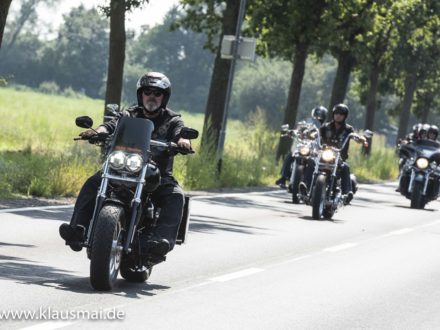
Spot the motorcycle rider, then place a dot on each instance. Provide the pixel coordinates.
(334, 134)
(319, 115)
(433, 132)
(153, 92)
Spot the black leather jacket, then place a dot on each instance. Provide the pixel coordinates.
(333, 137)
(167, 127)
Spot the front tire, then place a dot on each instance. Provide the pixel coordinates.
(318, 197)
(417, 198)
(106, 252)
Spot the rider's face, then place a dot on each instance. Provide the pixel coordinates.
(152, 99)
(338, 117)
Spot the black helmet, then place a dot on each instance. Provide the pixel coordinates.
(320, 113)
(433, 130)
(340, 108)
(154, 80)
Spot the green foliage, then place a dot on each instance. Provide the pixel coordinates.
(203, 16)
(76, 59)
(381, 165)
(49, 87)
(176, 53)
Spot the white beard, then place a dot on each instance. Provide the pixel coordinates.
(151, 106)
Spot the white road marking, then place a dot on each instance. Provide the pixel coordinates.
(399, 232)
(298, 258)
(49, 325)
(340, 247)
(233, 276)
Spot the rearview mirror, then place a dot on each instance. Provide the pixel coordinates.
(84, 122)
(189, 133)
(368, 134)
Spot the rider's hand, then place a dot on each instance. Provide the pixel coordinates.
(87, 134)
(184, 144)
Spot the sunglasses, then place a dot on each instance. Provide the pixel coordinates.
(148, 92)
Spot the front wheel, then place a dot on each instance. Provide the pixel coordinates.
(417, 198)
(318, 197)
(106, 249)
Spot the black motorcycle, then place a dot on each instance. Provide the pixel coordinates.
(302, 153)
(324, 194)
(419, 178)
(124, 213)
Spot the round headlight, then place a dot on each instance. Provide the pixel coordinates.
(328, 155)
(304, 151)
(422, 163)
(133, 162)
(117, 160)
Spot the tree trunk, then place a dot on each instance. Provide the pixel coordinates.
(346, 62)
(410, 87)
(116, 53)
(371, 104)
(291, 111)
(425, 113)
(217, 92)
(4, 9)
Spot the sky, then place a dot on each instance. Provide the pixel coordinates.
(151, 13)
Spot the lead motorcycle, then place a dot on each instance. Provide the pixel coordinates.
(419, 178)
(324, 194)
(124, 213)
(302, 152)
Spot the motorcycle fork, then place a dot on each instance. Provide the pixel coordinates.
(100, 197)
(136, 212)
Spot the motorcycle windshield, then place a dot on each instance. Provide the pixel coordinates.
(429, 149)
(133, 135)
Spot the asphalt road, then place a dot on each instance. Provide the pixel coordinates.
(253, 261)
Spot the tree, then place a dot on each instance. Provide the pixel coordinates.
(216, 20)
(4, 9)
(177, 53)
(287, 29)
(116, 11)
(417, 53)
(346, 21)
(80, 52)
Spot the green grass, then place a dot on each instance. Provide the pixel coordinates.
(381, 165)
(39, 157)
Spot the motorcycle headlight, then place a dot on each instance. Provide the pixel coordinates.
(304, 151)
(117, 160)
(328, 155)
(422, 163)
(133, 162)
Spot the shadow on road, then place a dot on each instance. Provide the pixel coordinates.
(205, 224)
(50, 214)
(16, 245)
(309, 218)
(25, 271)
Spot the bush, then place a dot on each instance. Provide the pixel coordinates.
(49, 87)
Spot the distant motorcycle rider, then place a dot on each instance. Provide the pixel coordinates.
(334, 134)
(318, 117)
(433, 132)
(153, 93)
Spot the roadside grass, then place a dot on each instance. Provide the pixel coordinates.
(380, 165)
(38, 156)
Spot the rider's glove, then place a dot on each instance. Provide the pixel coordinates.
(87, 134)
